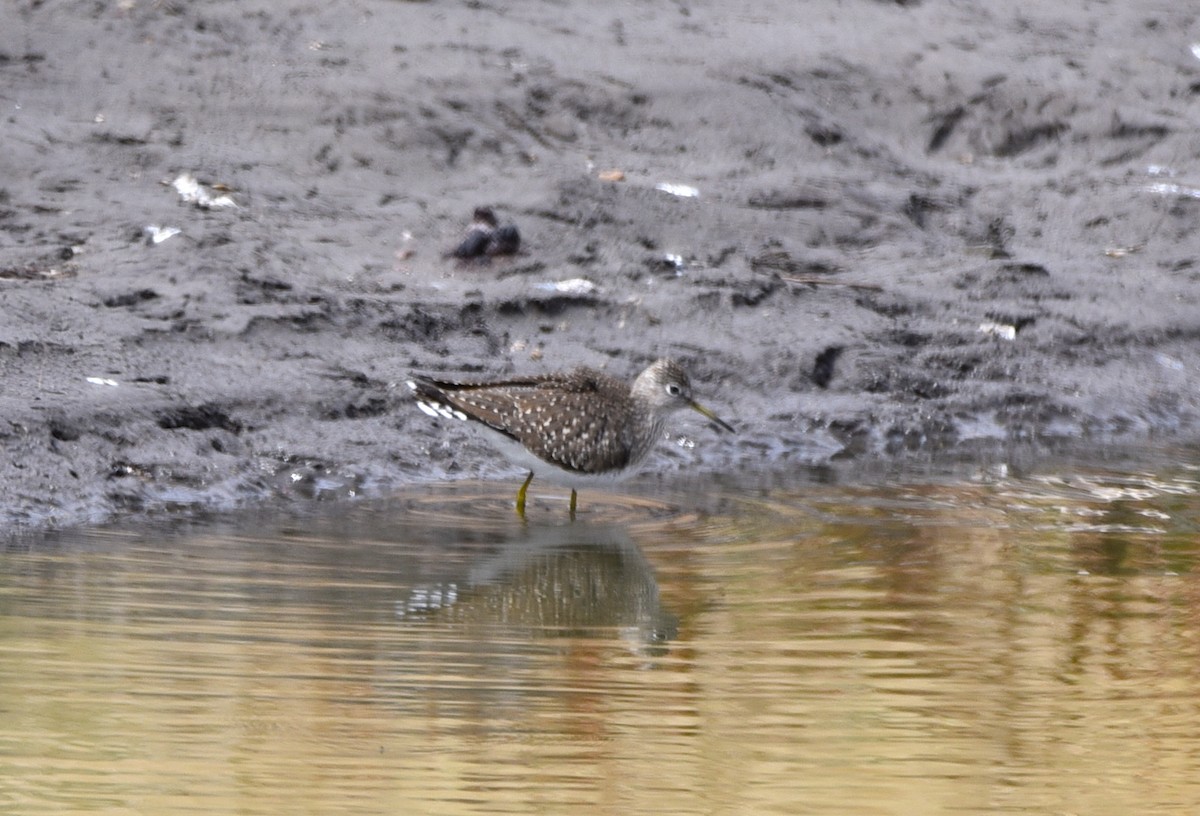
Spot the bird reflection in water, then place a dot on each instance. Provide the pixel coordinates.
(575, 580)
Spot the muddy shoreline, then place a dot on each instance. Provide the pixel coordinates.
(881, 230)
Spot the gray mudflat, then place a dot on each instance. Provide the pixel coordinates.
(990, 209)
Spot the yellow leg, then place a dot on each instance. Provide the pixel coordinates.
(521, 495)
(572, 502)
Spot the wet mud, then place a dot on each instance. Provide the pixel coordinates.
(868, 230)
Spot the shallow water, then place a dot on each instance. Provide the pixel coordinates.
(973, 642)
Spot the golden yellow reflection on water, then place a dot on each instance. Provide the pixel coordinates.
(972, 645)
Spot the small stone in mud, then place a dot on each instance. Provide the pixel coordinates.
(505, 241)
(485, 238)
(475, 242)
(822, 373)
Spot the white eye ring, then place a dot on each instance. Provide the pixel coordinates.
(674, 390)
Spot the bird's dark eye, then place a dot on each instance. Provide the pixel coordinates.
(674, 390)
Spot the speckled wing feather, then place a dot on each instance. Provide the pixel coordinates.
(554, 416)
(585, 425)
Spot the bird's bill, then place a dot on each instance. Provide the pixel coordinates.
(701, 409)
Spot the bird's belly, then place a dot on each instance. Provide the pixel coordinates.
(520, 456)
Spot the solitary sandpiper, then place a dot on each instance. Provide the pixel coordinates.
(578, 427)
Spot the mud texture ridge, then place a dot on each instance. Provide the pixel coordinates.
(867, 228)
